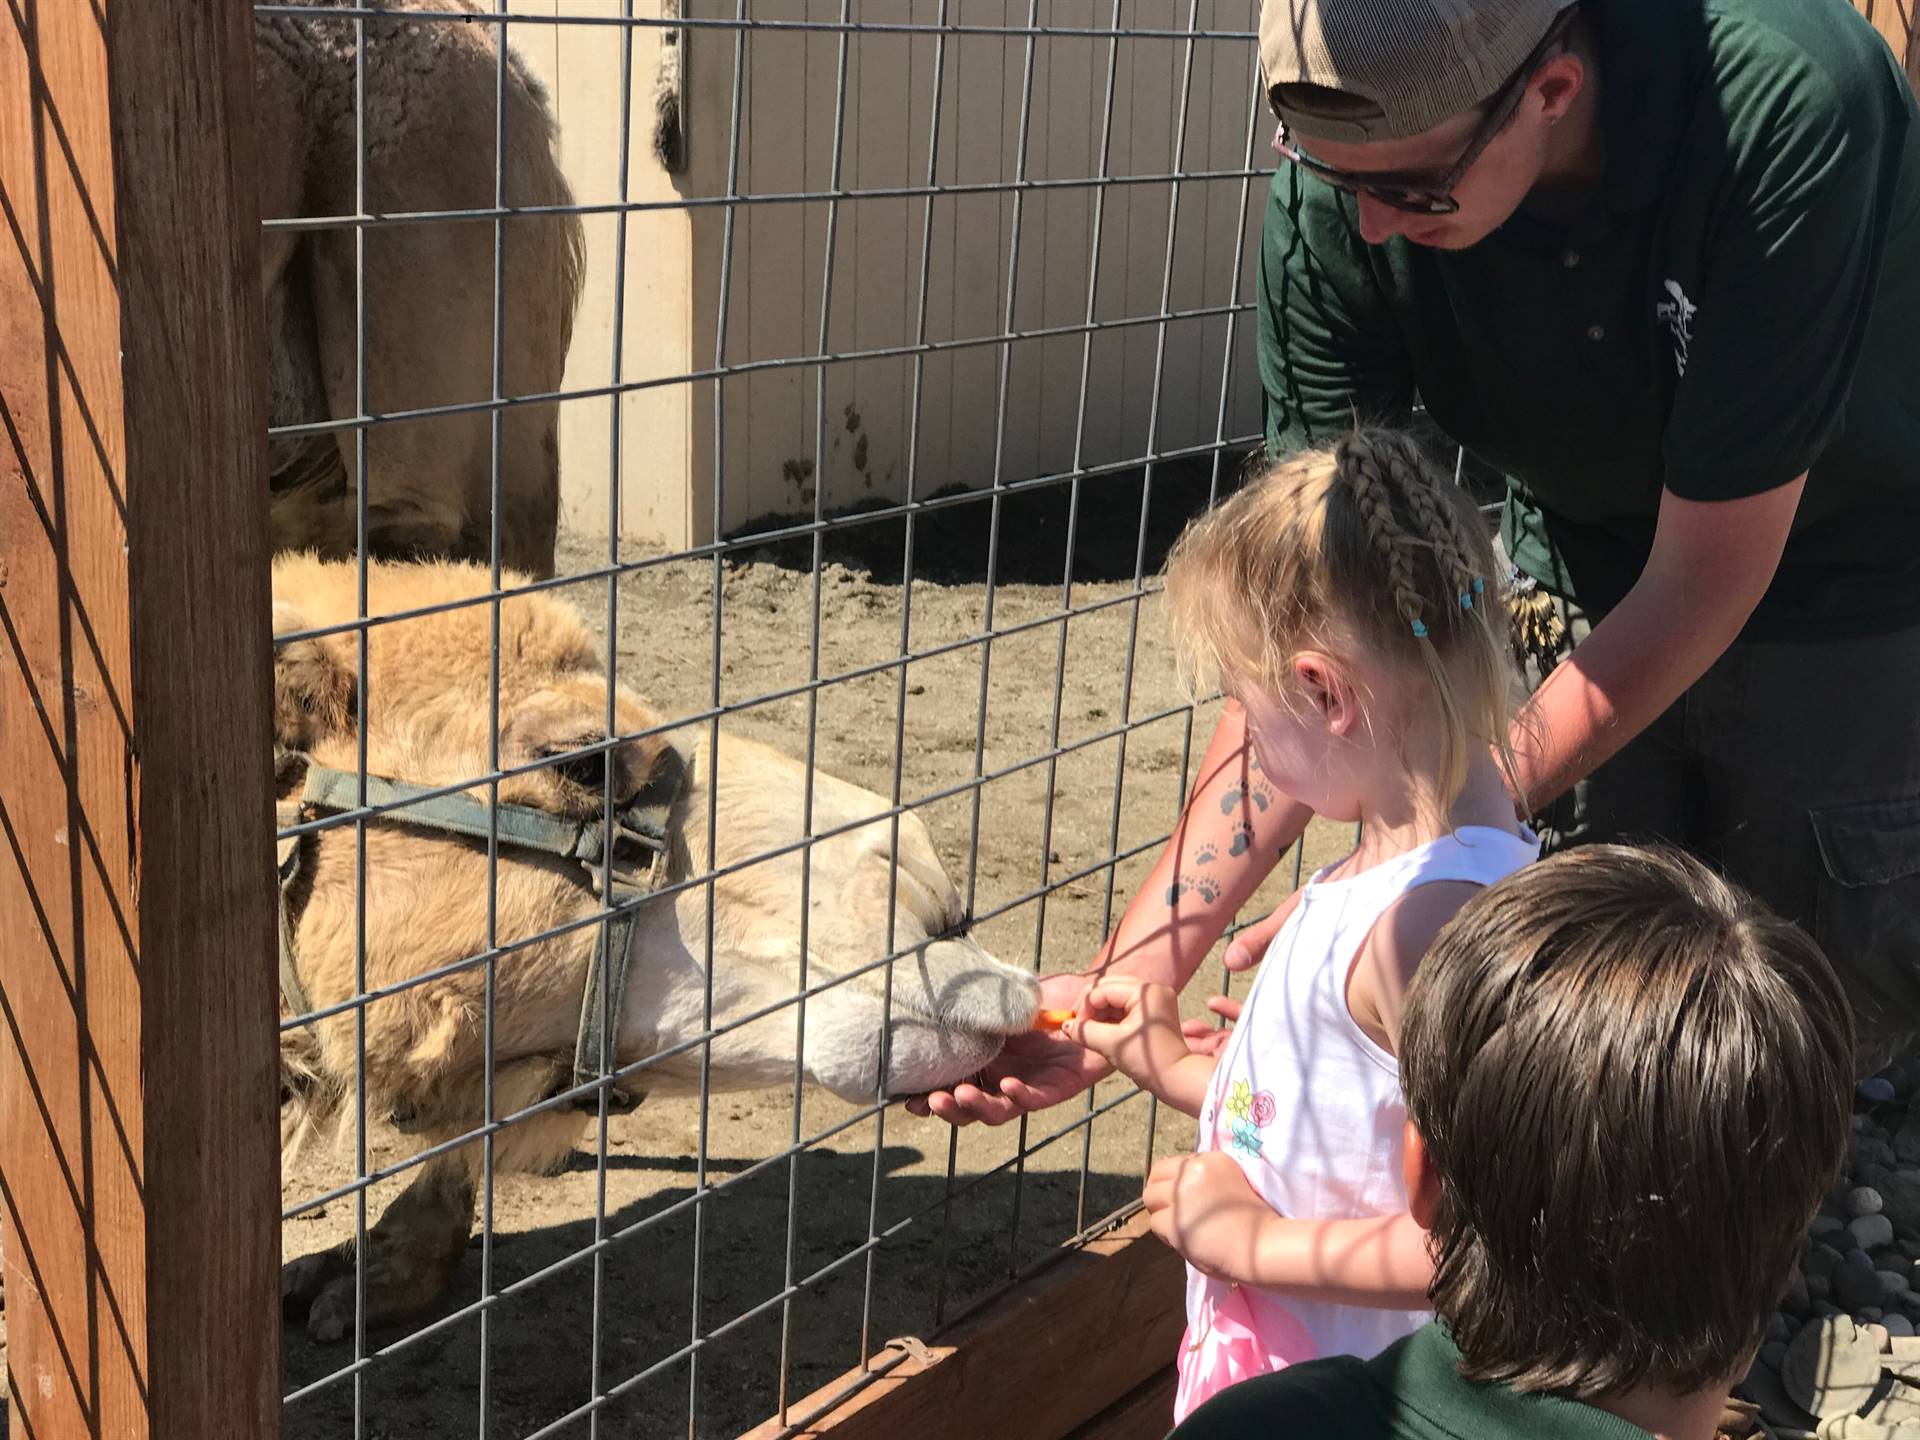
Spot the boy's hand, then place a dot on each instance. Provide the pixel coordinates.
(1134, 1024)
(1204, 1208)
(1203, 1036)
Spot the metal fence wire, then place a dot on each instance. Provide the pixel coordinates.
(908, 334)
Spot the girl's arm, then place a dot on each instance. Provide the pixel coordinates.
(1203, 1207)
(1135, 1027)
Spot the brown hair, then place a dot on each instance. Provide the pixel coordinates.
(1366, 544)
(1633, 1081)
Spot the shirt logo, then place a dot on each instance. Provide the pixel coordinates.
(1677, 313)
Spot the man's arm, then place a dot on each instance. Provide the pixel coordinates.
(1234, 829)
(1711, 563)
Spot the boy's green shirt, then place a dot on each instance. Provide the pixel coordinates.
(1736, 303)
(1412, 1390)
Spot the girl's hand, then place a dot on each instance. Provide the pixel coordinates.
(1135, 1025)
(1203, 1206)
(1205, 1038)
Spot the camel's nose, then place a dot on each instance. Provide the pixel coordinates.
(960, 985)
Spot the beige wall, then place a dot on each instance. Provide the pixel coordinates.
(675, 269)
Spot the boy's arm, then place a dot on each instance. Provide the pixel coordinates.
(1203, 1207)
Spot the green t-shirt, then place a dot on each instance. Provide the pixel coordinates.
(1412, 1390)
(1736, 303)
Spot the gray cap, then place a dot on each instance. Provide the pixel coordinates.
(1387, 69)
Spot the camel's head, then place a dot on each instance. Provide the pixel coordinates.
(429, 687)
(427, 722)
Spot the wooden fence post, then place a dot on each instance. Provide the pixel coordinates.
(138, 1147)
(1896, 21)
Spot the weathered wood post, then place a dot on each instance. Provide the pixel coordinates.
(138, 1147)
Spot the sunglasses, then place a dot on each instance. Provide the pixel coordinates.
(1421, 194)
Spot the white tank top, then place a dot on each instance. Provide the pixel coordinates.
(1310, 1107)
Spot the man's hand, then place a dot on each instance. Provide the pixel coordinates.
(1204, 1208)
(1244, 951)
(1249, 947)
(1031, 1072)
(1203, 1036)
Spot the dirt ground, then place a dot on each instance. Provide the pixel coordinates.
(869, 1178)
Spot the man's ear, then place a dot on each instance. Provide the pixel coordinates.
(1558, 83)
(313, 690)
(1423, 1180)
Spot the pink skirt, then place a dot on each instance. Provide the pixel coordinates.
(1236, 1346)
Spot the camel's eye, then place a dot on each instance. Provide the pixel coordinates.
(584, 768)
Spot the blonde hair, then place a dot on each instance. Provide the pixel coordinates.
(1367, 545)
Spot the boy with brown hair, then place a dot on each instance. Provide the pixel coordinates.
(1628, 1087)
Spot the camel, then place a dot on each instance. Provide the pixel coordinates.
(430, 111)
(426, 725)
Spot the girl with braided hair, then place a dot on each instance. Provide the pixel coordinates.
(1347, 603)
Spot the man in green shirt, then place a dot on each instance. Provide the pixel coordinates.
(1605, 1265)
(1658, 263)
(1674, 297)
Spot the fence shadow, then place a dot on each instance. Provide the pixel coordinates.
(539, 1342)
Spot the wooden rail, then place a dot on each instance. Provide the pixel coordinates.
(138, 1144)
(1056, 1352)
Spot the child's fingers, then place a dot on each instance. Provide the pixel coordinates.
(1225, 1006)
(1102, 1037)
(1112, 998)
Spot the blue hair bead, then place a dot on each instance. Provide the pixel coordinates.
(1419, 630)
(1479, 586)
(1466, 599)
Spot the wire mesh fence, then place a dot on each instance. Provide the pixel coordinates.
(838, 370)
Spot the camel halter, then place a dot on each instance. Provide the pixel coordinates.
(631, 853)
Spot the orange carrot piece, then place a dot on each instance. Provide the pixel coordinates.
(1052, 1019)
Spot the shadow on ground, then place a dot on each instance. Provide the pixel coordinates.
(951, 543)
(540, 1359)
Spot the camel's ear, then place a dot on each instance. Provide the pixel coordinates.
(313, 692)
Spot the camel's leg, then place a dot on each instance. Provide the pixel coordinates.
(416, 1243)
(411, 1252)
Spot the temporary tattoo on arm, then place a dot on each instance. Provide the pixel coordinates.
(1237, 798)
(1201, 885)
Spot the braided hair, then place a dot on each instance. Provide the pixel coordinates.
(1368, 543)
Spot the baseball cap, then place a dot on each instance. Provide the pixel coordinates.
(1369, 70)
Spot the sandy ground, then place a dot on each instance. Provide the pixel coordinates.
(965, 1238)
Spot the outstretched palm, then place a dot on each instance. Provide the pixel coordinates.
(1031, 1072)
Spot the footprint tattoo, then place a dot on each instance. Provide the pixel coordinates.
(1197, 885)
(1207, 854)
(1233, 799)
(1242, 841)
